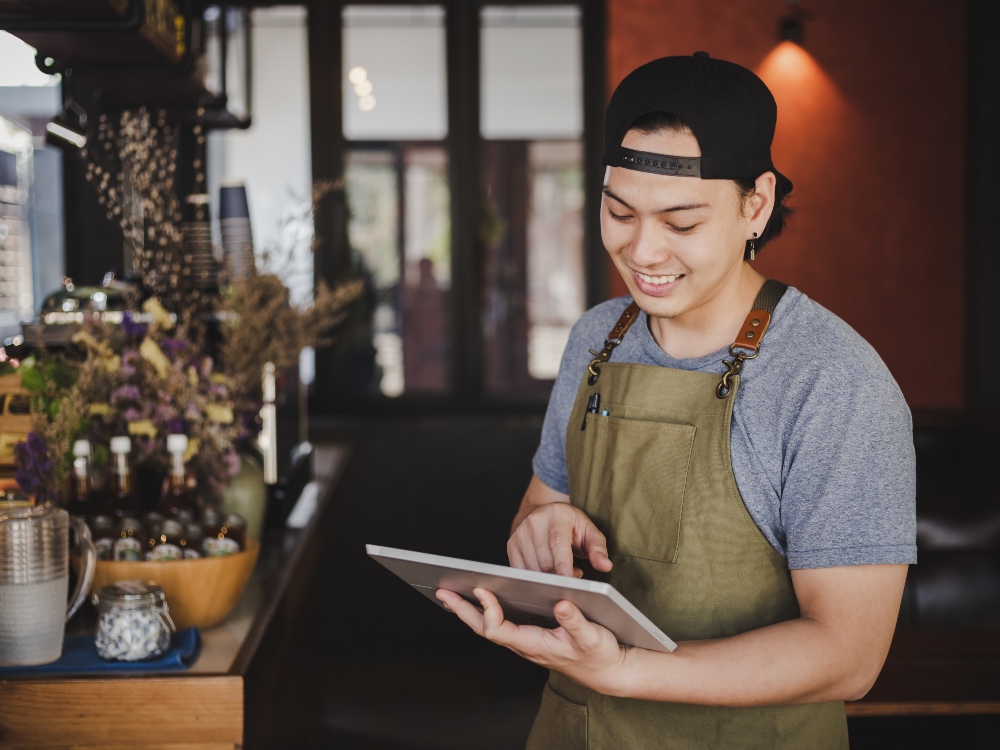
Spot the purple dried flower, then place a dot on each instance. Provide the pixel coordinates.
(131, 414)
(132, 328)
(126, 393)
(176, 425)
(164, 413)
(173, 347)
(232, 461)
(33, 465)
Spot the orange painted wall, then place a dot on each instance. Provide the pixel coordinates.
(871, 129)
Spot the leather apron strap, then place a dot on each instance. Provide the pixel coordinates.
(749, 339)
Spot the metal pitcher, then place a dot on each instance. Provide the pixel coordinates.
(34, 580)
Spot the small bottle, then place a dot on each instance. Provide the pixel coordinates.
(194, 538)
(124, 502)
(228, 538)
(178, 496)
(152, 522)
(166, 545)
(210, 521)
(128, 545)
(82, 501)
(184, 517)
(102, 530)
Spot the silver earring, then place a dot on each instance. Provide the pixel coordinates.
(753, 246)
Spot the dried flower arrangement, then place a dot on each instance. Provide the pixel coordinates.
(155, 373)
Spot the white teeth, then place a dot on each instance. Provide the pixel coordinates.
(658, 279)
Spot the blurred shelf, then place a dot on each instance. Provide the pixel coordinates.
(96, 32)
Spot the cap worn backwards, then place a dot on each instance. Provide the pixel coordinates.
(728, 108)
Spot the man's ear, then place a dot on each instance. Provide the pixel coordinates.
(760, 205)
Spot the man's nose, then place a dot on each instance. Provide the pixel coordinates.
(648, 249)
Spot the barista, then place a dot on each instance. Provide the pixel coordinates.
(730, 455)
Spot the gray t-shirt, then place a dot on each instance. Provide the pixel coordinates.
(822, 440)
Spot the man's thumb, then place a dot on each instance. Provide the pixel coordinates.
(568, 615)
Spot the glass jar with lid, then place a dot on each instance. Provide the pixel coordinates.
(133, 621)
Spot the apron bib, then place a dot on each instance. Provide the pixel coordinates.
(649, 463)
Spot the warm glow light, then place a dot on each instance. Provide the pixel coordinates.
(790, 65)
(357, 75)
(366, 103)
(363, 89)
(808, 99)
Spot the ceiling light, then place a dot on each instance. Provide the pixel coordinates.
(363, 89)
(790, 29)
(366, 103)
(357, 74)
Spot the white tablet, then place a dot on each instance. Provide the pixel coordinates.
(527, 597)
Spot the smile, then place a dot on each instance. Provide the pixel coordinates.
(658, 280)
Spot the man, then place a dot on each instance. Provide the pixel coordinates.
(738, 463)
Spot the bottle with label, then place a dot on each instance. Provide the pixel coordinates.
(128, 544)
(124, 502)
(194, 539)
(152, 522)
(82, 500)
(178, 496)
(227, 539)
(210, 521)
(102, 530)
(166, 545)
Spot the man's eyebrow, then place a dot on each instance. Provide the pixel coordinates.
(669, 209)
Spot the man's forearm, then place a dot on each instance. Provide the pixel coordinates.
(798, 661)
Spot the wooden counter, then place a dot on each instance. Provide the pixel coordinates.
(242, 690)
(936, 672)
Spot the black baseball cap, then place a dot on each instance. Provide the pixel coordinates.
(728, 108)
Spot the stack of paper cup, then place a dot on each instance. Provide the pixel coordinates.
(199, 260)
(237, 239)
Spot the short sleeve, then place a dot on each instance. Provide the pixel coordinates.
(848, 492)
(549, 463)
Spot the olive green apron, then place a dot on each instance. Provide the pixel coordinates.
(650, 465)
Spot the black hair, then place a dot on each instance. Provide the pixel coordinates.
(654, 122)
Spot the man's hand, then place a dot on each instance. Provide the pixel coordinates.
(552, 535)
(580, 649)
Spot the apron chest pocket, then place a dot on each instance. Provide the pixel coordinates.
(635, 484)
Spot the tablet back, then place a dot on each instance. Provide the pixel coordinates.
(527, 597)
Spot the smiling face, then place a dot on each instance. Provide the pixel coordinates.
(678, 241)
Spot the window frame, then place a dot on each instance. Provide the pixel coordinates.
(466, 393)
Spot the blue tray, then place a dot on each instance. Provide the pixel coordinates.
(79, 656)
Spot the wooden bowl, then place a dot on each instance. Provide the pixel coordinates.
(199, 592)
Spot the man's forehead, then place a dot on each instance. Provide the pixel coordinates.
(666, 141)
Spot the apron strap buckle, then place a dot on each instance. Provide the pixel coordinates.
(628, 317)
